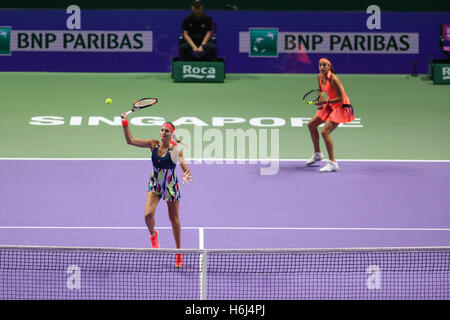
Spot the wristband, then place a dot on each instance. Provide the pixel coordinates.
(124, 123)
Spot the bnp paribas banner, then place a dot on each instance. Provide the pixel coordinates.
(367, 40)
(73, 41)
(269, 42)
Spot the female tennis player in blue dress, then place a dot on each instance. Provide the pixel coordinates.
(163, 183)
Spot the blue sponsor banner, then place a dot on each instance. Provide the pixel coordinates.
(251, 42)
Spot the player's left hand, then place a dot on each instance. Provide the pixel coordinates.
(319, 103)
(186, 177)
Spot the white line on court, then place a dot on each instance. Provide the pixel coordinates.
(201, 229)
(201, 238)
(222, 160)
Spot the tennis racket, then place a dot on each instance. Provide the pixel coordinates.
(141, 104)
(311, 96)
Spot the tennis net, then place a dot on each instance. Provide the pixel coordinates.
(61, 273)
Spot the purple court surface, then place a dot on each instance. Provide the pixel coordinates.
(100, 203)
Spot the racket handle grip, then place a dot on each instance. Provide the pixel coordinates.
(128, 112)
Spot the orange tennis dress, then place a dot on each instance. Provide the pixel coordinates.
(341, 112)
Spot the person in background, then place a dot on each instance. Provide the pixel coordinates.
(197, 29)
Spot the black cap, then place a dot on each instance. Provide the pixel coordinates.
(197, 3)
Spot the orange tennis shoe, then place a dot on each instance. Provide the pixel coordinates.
(154, 240)
(179, 260)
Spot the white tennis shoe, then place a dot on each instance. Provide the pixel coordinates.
(317, 156)
(330, 167)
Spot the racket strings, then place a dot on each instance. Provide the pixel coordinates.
(311, 96)
(145, 102)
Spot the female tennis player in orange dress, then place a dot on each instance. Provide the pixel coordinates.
(163, 183)
(337, 109)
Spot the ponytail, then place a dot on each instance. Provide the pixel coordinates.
(332, 70)
(175, 139)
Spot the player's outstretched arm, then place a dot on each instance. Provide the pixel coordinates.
(142, 143)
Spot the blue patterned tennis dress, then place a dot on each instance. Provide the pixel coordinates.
(164, 181)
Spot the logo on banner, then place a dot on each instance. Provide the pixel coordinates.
(263, 42)
(198, 72)
(77, 41)
(446, 73)
(74, 39)
(5, 40)
(270, 42)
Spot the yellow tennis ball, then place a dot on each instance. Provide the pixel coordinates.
(108, 101)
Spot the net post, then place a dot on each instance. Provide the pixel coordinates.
(203, 274)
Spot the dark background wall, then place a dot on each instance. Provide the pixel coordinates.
(273, 5)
